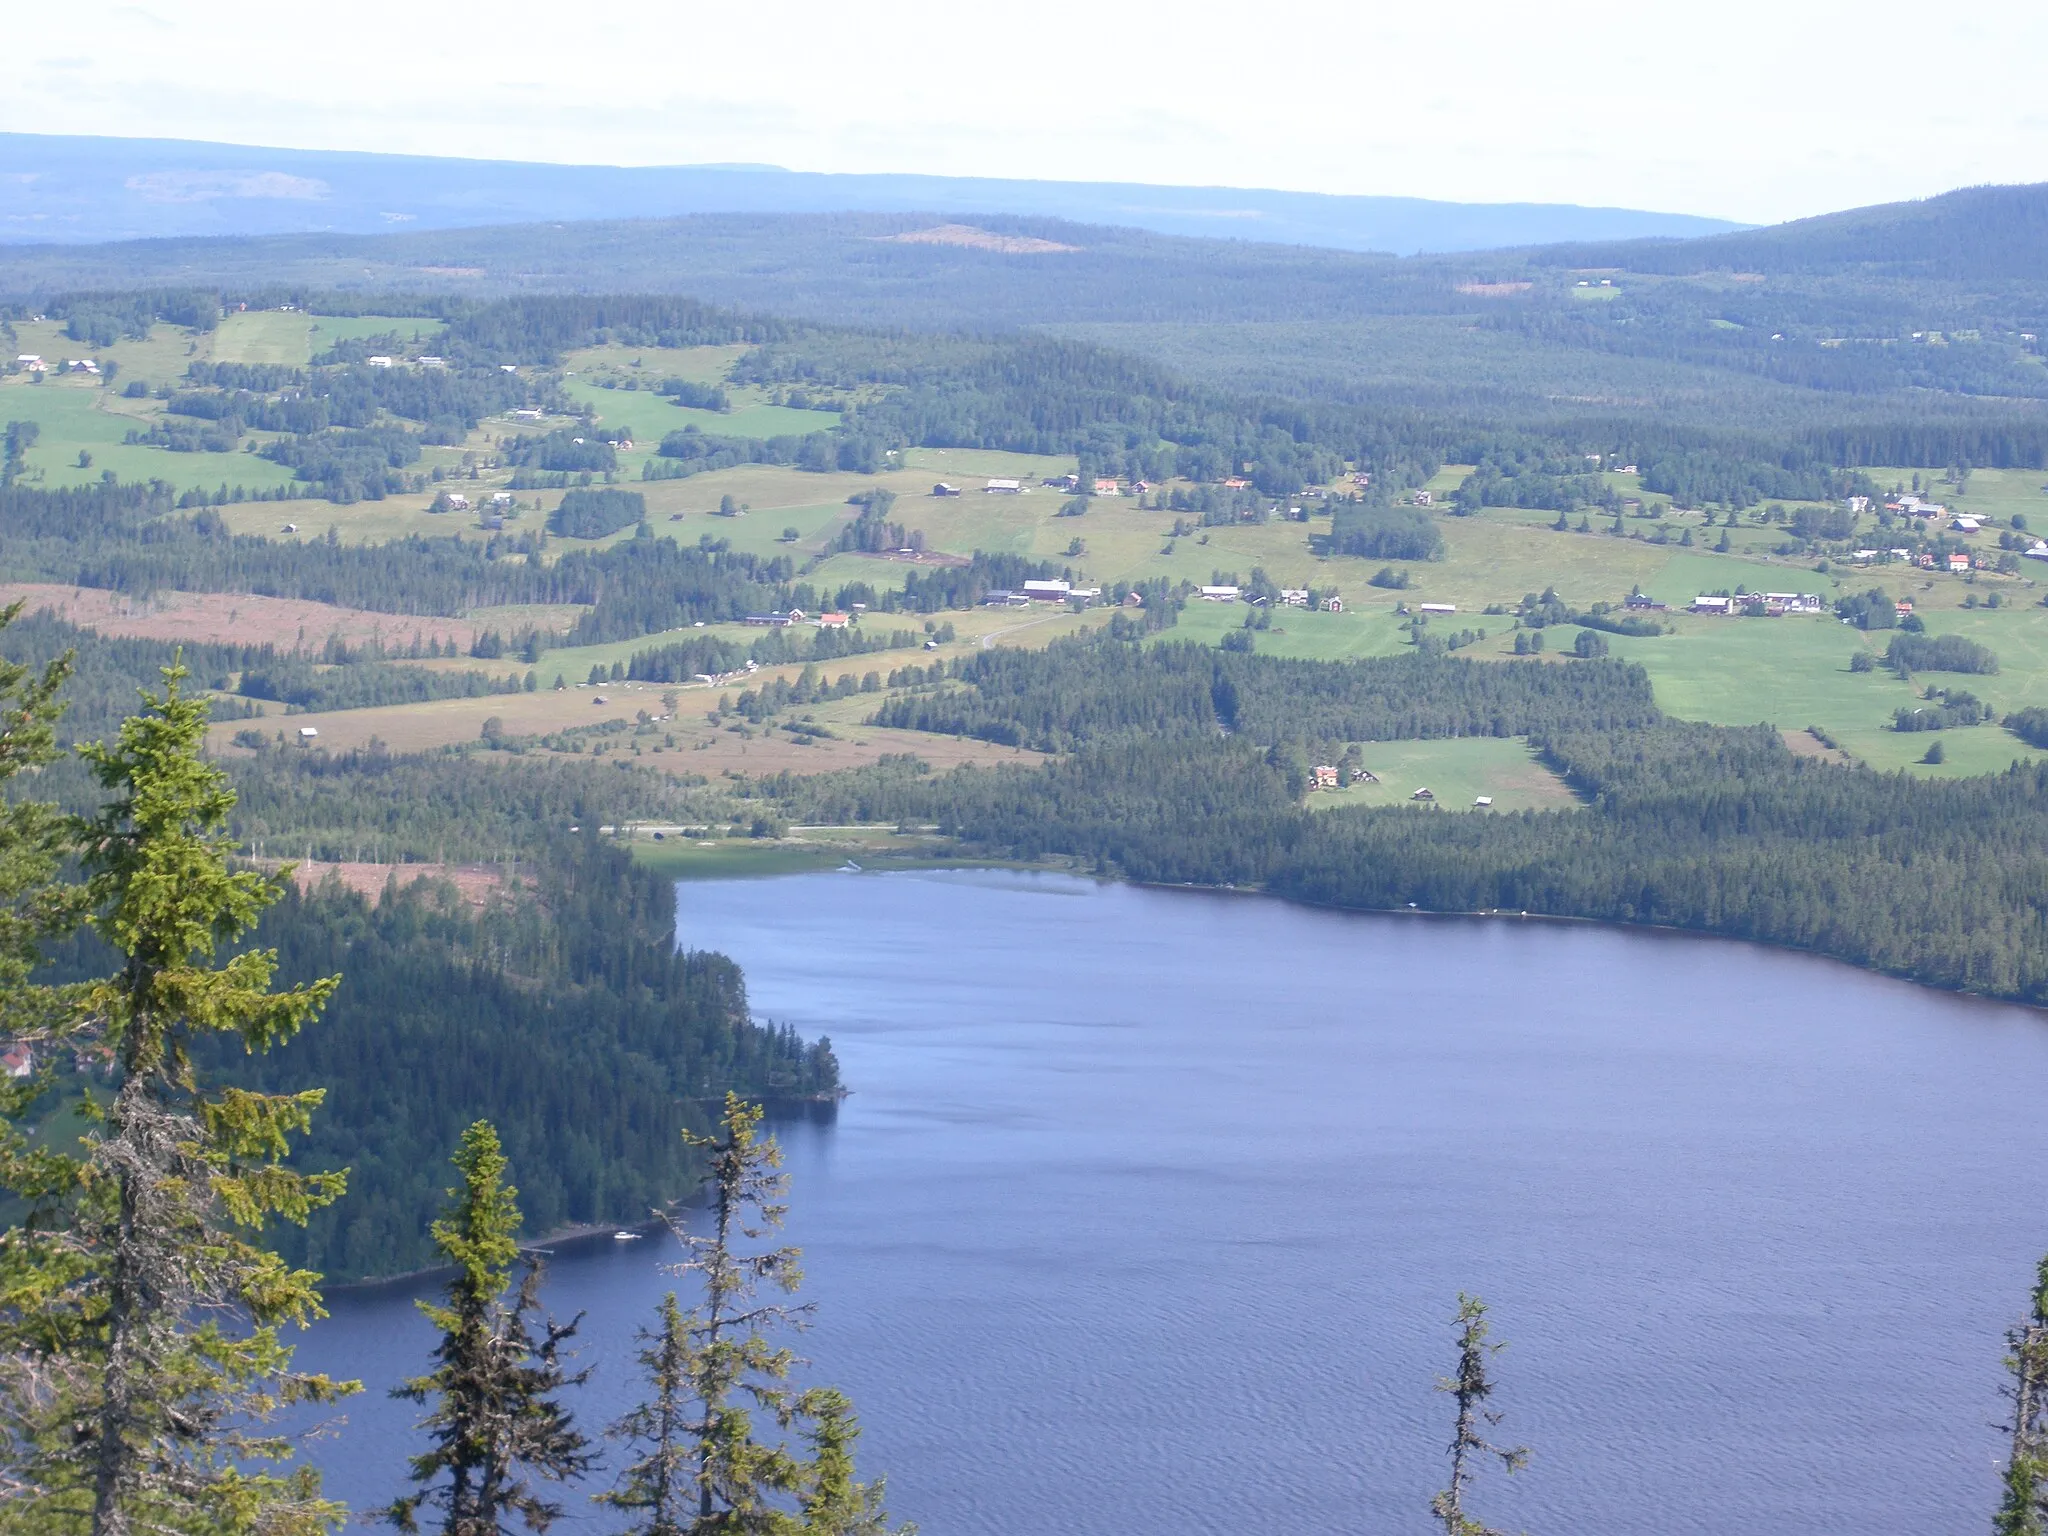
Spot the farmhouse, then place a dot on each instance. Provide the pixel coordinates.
(833, 621)
(1326, 776)
(1108, 488)
(457, 502)
(1705, 604)
(1422, 794)
(1003, 487)
(1958, 563)
(1219, 594)
(1294, 597)
(31, 363)
(1425, 498)
(1642, 602)
(18, 1061)
(518, 415)
(1047, 591)
(1062, 482)
(84, 365)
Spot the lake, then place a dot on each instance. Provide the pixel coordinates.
(1149, 1211)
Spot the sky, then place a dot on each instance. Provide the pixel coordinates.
(1757, 110)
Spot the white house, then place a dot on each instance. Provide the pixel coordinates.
(1294, 597)
(1705, 604)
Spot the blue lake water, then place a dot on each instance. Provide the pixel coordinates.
(1149, 1211)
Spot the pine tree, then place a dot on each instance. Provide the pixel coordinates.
(834, 1503)
(734, 1371)
(713, 1369)
(39, 1387)
(1471, 1388)
(2024, 1510)
(496, 1420)
(659, 1486)
(134, 1407)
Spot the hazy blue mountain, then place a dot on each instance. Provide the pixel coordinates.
(80, 189)
(1976, 234)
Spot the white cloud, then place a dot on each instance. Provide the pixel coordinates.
(1755, 109)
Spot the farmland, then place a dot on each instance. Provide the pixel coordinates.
(1792, 672)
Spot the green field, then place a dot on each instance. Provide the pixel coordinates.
(652, 416)
(74, 414)
(1456, 773)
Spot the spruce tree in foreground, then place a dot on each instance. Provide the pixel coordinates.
(701, 1467)
(37, 1390)
(496, 1421)
(1471, 1388)
(143, 1313)
(2024, 1509)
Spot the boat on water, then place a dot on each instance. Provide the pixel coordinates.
(849, 868)
(623, 1236)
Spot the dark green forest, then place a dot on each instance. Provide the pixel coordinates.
(1189, 766)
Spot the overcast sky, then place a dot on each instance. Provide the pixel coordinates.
(1749, 109)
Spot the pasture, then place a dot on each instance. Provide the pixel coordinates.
(1456, 773)
(76, 414)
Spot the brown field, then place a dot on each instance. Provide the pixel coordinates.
(227, 617)
(979, 240)
(700, 748)
(476, 882)
(1803, 744)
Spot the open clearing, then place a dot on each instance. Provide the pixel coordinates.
(1456, 773)
(700, 749)
(477, 883)
(228, 618)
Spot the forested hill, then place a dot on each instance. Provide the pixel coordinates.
(1976, 234)
(1693, 826)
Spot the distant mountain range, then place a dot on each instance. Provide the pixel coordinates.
(81, 189)
(1975, 234)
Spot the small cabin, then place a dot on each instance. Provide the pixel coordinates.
(1422, 794)
(308, 735)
